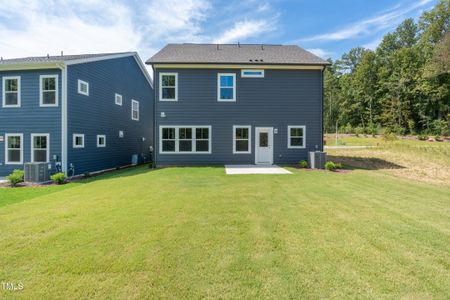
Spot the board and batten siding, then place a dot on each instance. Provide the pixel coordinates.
(97, 114)
(280, 99)
(30, 117)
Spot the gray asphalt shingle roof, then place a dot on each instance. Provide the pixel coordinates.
(235, 54)
(56, 58)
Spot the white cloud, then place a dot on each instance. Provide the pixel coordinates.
(244, 29)
(320, 52)
(364, 27)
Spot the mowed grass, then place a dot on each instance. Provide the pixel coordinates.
(198, 233)
(412, 159)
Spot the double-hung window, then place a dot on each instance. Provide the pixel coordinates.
(185, 139)
(101, 141)
(11, 91)
(168, 86)
(118, 99)
(14, 148)
(135, 110)
(242, 139)
(48, 90)
(296, 136)
(40, 147)
(226, 87)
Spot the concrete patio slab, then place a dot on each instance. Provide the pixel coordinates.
(255, 169)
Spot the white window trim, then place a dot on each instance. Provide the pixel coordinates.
(133, 102)
(79, 87)
(243, 75)
(47, 135)
(19, 102)
(160, 87)
(41, 91)
(7, 135)
(249, 139)
(218, 87)
(194, 139)
(118, 96)
(74, 136)
(289, 137)
(104, 138)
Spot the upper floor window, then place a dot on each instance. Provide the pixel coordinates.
(11, 91)
(168, 86)
(226, 87)
(296, 136)
(14, 148)
(135, 110)
(252, 73)
(83, 87)
(118, 99)
(48, 90)
(40, 147)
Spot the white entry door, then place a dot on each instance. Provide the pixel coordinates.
(264, 145)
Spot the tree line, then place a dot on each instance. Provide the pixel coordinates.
(402, 87)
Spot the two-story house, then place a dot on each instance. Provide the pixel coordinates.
(236, 104)
(78, 113)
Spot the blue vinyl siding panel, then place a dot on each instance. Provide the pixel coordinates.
(280, 99)
(97, 114)
(30, 117)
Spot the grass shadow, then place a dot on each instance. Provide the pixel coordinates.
(364, 163)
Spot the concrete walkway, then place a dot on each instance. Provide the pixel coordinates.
(255, 169)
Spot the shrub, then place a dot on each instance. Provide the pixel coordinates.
(359, 130)
(303, 164)
(422, 137)
(15, 177)
(440, 127)
(330, 166)
(58, 178)
(338, 165)
(87, 174)
(348, 128)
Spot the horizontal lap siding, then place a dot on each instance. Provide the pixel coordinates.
(30, 117)
(97, 114)
(281, 98)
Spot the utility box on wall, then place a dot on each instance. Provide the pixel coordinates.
(317, 159)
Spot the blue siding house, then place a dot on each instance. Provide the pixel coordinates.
(78, 113)
(236, 104)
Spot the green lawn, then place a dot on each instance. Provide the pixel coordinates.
(198, 233)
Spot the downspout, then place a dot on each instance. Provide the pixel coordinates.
(321, 108)
(64, 136)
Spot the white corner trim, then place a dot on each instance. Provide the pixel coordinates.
(98, 141)
(80, 83)
(160, 87)
(41, 90)
(74, 136)
(219, 87)
(7, 135)
(289, 136)
(64, 134)
(47, 135)
(19, 92)
(249, 127)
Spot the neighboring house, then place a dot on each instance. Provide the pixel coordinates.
(236, 104)
(79, 113)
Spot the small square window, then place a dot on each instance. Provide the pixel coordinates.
(118, 99)
(78, 140)
(83, 87)
(101, 140)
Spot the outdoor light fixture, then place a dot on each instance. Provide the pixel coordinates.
(163, 114)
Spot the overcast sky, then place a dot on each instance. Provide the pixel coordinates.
(326, 27)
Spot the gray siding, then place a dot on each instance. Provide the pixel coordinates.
(281, 98)
(30, 117)
(98, 114)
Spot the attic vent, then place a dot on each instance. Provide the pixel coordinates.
(251, 60)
